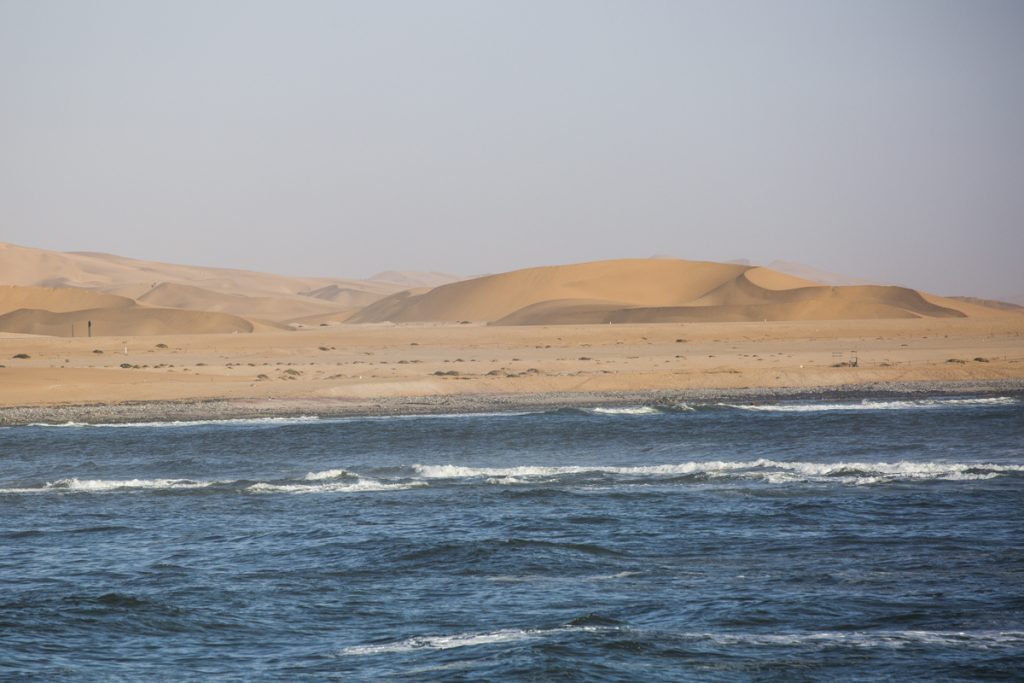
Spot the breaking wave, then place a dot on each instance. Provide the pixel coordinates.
(814, 639)
(771, 471)
(686, 473)
(241, 422)
(868, 404)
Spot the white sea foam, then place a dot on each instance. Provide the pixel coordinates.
(327, 474)
(463, 640)
(637, 410)
(859, 639)
(253, 421)
(74, 484)
(363, 485)
(868, 404)
(322, 485)
(771, 471)
(866, 639)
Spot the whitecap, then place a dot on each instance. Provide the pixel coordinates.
(246, 421)
(865, 639)
(327, 474)
(771, 471)
(74, 484)
(363, 485)
(637, 410)
(869, 404)
(457, 640)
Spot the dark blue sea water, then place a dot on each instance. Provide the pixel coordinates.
(874, 539)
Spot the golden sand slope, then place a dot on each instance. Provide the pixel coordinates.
(651, 291)
(57, 299)
(133, 277)
(133, 321)
(276, 308)
(66, 311)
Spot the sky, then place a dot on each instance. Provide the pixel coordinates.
(878, 139)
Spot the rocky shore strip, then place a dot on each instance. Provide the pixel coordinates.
(227, 409)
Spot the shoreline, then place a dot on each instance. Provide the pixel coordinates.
(247, 408)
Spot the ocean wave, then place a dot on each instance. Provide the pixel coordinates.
(637, 410)
(694, 472)
(352, 484)
(276, 421)
(865, 639)
(241, 422)
(74, 484)
(829, 639)
(469, 639)
(328, 474)
(870, 404)
(771, 471)
(363, 485)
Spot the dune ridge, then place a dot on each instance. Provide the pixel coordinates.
(654, 290)
(66, 311)
(57, 299)
(131, 321)
(125, 296)
(27, 266)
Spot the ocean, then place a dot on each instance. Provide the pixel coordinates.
(868, 538)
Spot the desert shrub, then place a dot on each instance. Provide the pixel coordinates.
(21, 355)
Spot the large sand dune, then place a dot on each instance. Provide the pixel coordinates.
(276, 308)
(131, 321)
(57, 299)
(66, 311)
(653, 290)
(127, 297)
(132, 277)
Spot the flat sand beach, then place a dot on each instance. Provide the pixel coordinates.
(403, 368)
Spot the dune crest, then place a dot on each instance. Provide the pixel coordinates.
(654, 290)
(66, 311)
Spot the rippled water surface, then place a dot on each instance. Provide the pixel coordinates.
(857, 540)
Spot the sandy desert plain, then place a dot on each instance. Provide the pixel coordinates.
(177, 342)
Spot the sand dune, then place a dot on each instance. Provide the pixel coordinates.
(132, 277)
(652, 290)
(105, 289)
(63, 311)
(57, 299)
(651, 282)
(127, 321)
(343, 296)
(276, 308)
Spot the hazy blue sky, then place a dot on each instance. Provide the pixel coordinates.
(878, 139)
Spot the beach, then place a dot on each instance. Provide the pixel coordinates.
(411, 368)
